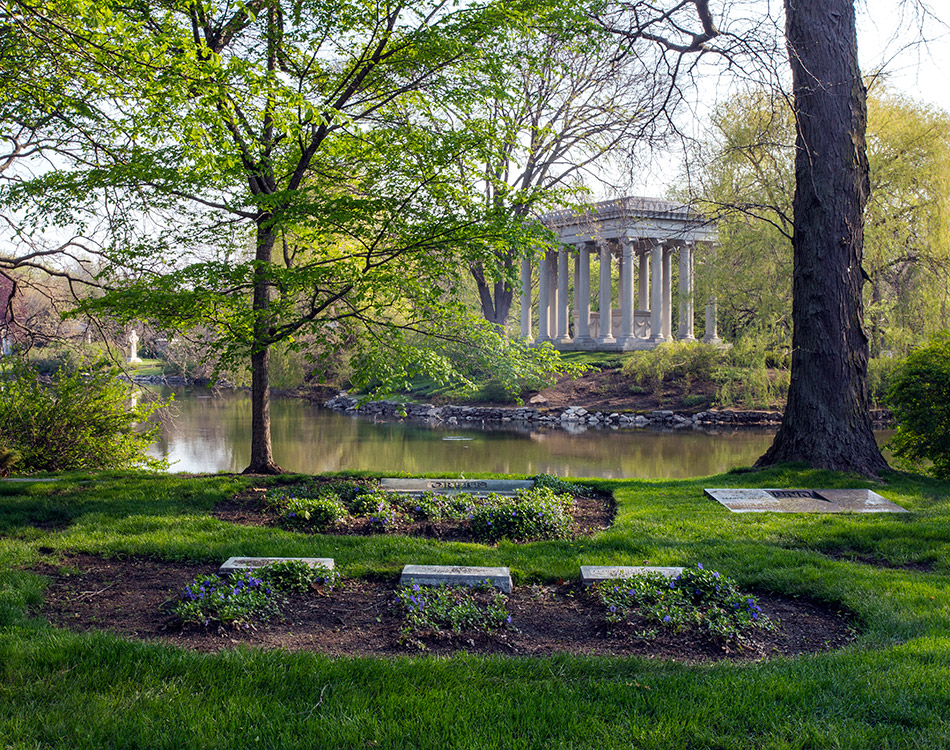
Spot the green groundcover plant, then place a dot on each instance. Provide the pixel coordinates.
(249, 595)
(541, 512)
(433, 610)
(696, 600)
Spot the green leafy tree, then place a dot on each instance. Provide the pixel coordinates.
(264, 172)
(746, 178)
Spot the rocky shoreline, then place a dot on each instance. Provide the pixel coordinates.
(571, 416)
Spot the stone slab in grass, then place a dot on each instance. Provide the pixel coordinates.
(591, 574)
(236, 564)
(803, 501)
(457, 575)
(455, 486)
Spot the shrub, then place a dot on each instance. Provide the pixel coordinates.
(697, 599)
(80, 419)
(919, 396)
(685, 361)
(538, 513)
(880, 374)
(558, 485)
(312, 513)
(297, 577)
(8, 460)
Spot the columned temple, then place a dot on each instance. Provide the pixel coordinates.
(640, 235)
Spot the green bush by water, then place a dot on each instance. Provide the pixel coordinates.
(80, 419)
(919, 396)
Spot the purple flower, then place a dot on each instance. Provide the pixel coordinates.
(699, 565)
(667, 619)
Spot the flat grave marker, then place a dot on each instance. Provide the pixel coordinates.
(455, 486)
(456, 575)
(236, 564)
(591, 574)
(803, 501)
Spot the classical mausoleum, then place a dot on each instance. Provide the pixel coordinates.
(640, 235)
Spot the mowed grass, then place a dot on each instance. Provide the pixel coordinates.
(890, 689)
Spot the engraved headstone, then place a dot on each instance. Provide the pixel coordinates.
(458, 575)
(803, 501)
(455, 486)
(235, 564)
(591, 574)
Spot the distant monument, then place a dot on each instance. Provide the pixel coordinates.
(5, 348)
(134, 348)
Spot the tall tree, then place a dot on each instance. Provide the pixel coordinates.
(827, 420)
(565, 102)
(281, 125)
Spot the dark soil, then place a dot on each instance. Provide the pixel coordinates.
(131, 597)
(590, 516)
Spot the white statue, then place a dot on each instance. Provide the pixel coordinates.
(134, 348)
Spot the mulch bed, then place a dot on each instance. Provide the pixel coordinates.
(590, 515)
(131, 597)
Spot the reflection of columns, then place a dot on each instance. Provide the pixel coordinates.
(685, 329)
(582, 296)
(643, 297)
(667, 293)
(563, 302)
(656, 288)
(712, 335)
(544, 299)
(526, 299)
(626, 293)
(606, 311)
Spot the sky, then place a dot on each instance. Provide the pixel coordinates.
(913, 53)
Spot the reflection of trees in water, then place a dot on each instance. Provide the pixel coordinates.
(209, 434)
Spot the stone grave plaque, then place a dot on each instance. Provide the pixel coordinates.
(236, 564)
(455, 486)
(803, 501)
(591, 574)
(458, 575)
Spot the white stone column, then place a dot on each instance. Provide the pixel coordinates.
(667, 293)
(544, 299)
(526, 299)
(582, 297)
(552, 295)
(656, 288)
(563, 301)
(685, 328)
(626, 293)
(606, 295)
(712, 335)
(643, 298)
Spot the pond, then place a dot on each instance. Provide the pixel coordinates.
(210, 432)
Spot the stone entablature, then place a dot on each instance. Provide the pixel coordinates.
(641, 235)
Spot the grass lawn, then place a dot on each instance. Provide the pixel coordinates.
(889, 689)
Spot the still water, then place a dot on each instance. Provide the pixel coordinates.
(211, 432)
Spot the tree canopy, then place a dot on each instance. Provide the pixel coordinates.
(263, 168)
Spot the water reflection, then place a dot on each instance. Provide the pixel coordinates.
(210, 433)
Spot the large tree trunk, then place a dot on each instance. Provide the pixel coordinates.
(262, 457)
(495, 297)
(827, 421)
